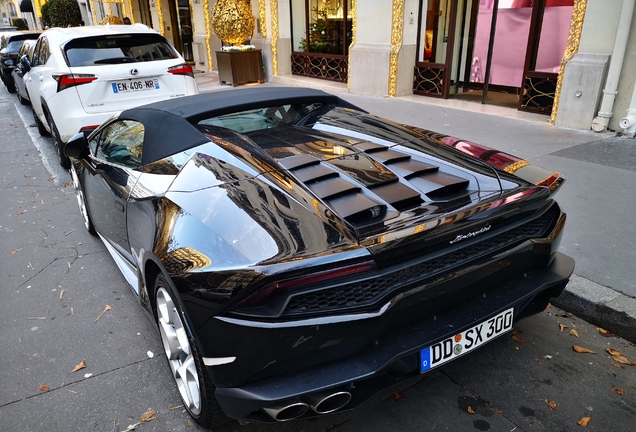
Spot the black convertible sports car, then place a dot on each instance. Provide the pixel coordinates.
(300, 254)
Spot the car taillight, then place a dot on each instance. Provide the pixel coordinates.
(182, 69)
(276, 289)
(71, 80)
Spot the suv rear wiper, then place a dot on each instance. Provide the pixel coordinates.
(115, 60)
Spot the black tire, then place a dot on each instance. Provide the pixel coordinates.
(81, 201)
(196, 390)
(10, 85)
(22, 100)
(65, 162)
(41, 128)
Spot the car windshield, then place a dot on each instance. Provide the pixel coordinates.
(128, 48)
(262, 118)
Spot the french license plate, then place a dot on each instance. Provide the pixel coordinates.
(466, 341)
(135, 85)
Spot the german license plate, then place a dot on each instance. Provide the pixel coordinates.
(466, 341)
(135, 85)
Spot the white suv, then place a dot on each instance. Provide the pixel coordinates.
(81, 76)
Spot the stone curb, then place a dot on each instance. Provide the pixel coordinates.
(600, 305)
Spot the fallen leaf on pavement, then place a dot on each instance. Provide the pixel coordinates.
(470, 410)
(617, 356)
(45, 388)
(580, 349)
(604, 332)
(551, 404)
(106, 309)
(80, 365)
(396, 395)
(622, 360)
(584, 421)
(148, 416)
(573, 332)
(562, 326)
(618, 390)
(517, 338)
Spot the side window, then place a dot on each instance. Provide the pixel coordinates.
(121, 143)
(45, 53)
(41, 52)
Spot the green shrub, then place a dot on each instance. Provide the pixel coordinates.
(20, 23)
(61, 13)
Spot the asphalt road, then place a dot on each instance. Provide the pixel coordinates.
(65, 303)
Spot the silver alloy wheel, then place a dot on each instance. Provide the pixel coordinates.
(80, 199)
(178, 351)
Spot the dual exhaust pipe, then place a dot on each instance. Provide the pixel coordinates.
(321, 403)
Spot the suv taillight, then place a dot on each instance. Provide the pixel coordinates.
(182, 69)
(71, 80)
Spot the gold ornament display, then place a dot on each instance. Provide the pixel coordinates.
(232, 21)
(111, 19)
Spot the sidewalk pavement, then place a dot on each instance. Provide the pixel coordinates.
(599, 194)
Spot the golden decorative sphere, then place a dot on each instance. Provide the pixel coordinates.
(111, 19)
(232, 21)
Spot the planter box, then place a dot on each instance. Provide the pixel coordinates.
(240, 67)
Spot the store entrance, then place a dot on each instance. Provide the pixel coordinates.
(181, 18)
(500, 52)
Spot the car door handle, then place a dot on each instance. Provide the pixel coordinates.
(41, 78)
(119, 206)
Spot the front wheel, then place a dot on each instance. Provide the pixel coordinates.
(22, 100)
(65, 162)
(81, 201)
(193, 382)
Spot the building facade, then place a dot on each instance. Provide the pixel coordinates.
(571, 60)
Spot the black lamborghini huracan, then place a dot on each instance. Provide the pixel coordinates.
(300, 254)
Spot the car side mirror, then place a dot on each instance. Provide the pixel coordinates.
(77, 146)
(26, 64)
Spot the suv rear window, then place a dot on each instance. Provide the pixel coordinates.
(128, 48)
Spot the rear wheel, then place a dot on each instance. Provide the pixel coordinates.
(59, 145)
(10, 86)
(193, 382)
(22, 100)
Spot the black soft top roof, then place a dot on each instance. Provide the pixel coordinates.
(169, 124)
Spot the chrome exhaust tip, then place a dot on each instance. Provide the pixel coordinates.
(328, 401)
(285, 411)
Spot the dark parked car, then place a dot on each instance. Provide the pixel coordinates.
(25, 54)
(9, 55)
(300, 254)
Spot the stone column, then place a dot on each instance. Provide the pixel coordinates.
(382, 59)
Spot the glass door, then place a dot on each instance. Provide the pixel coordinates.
(503, 52)
(495, 51)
